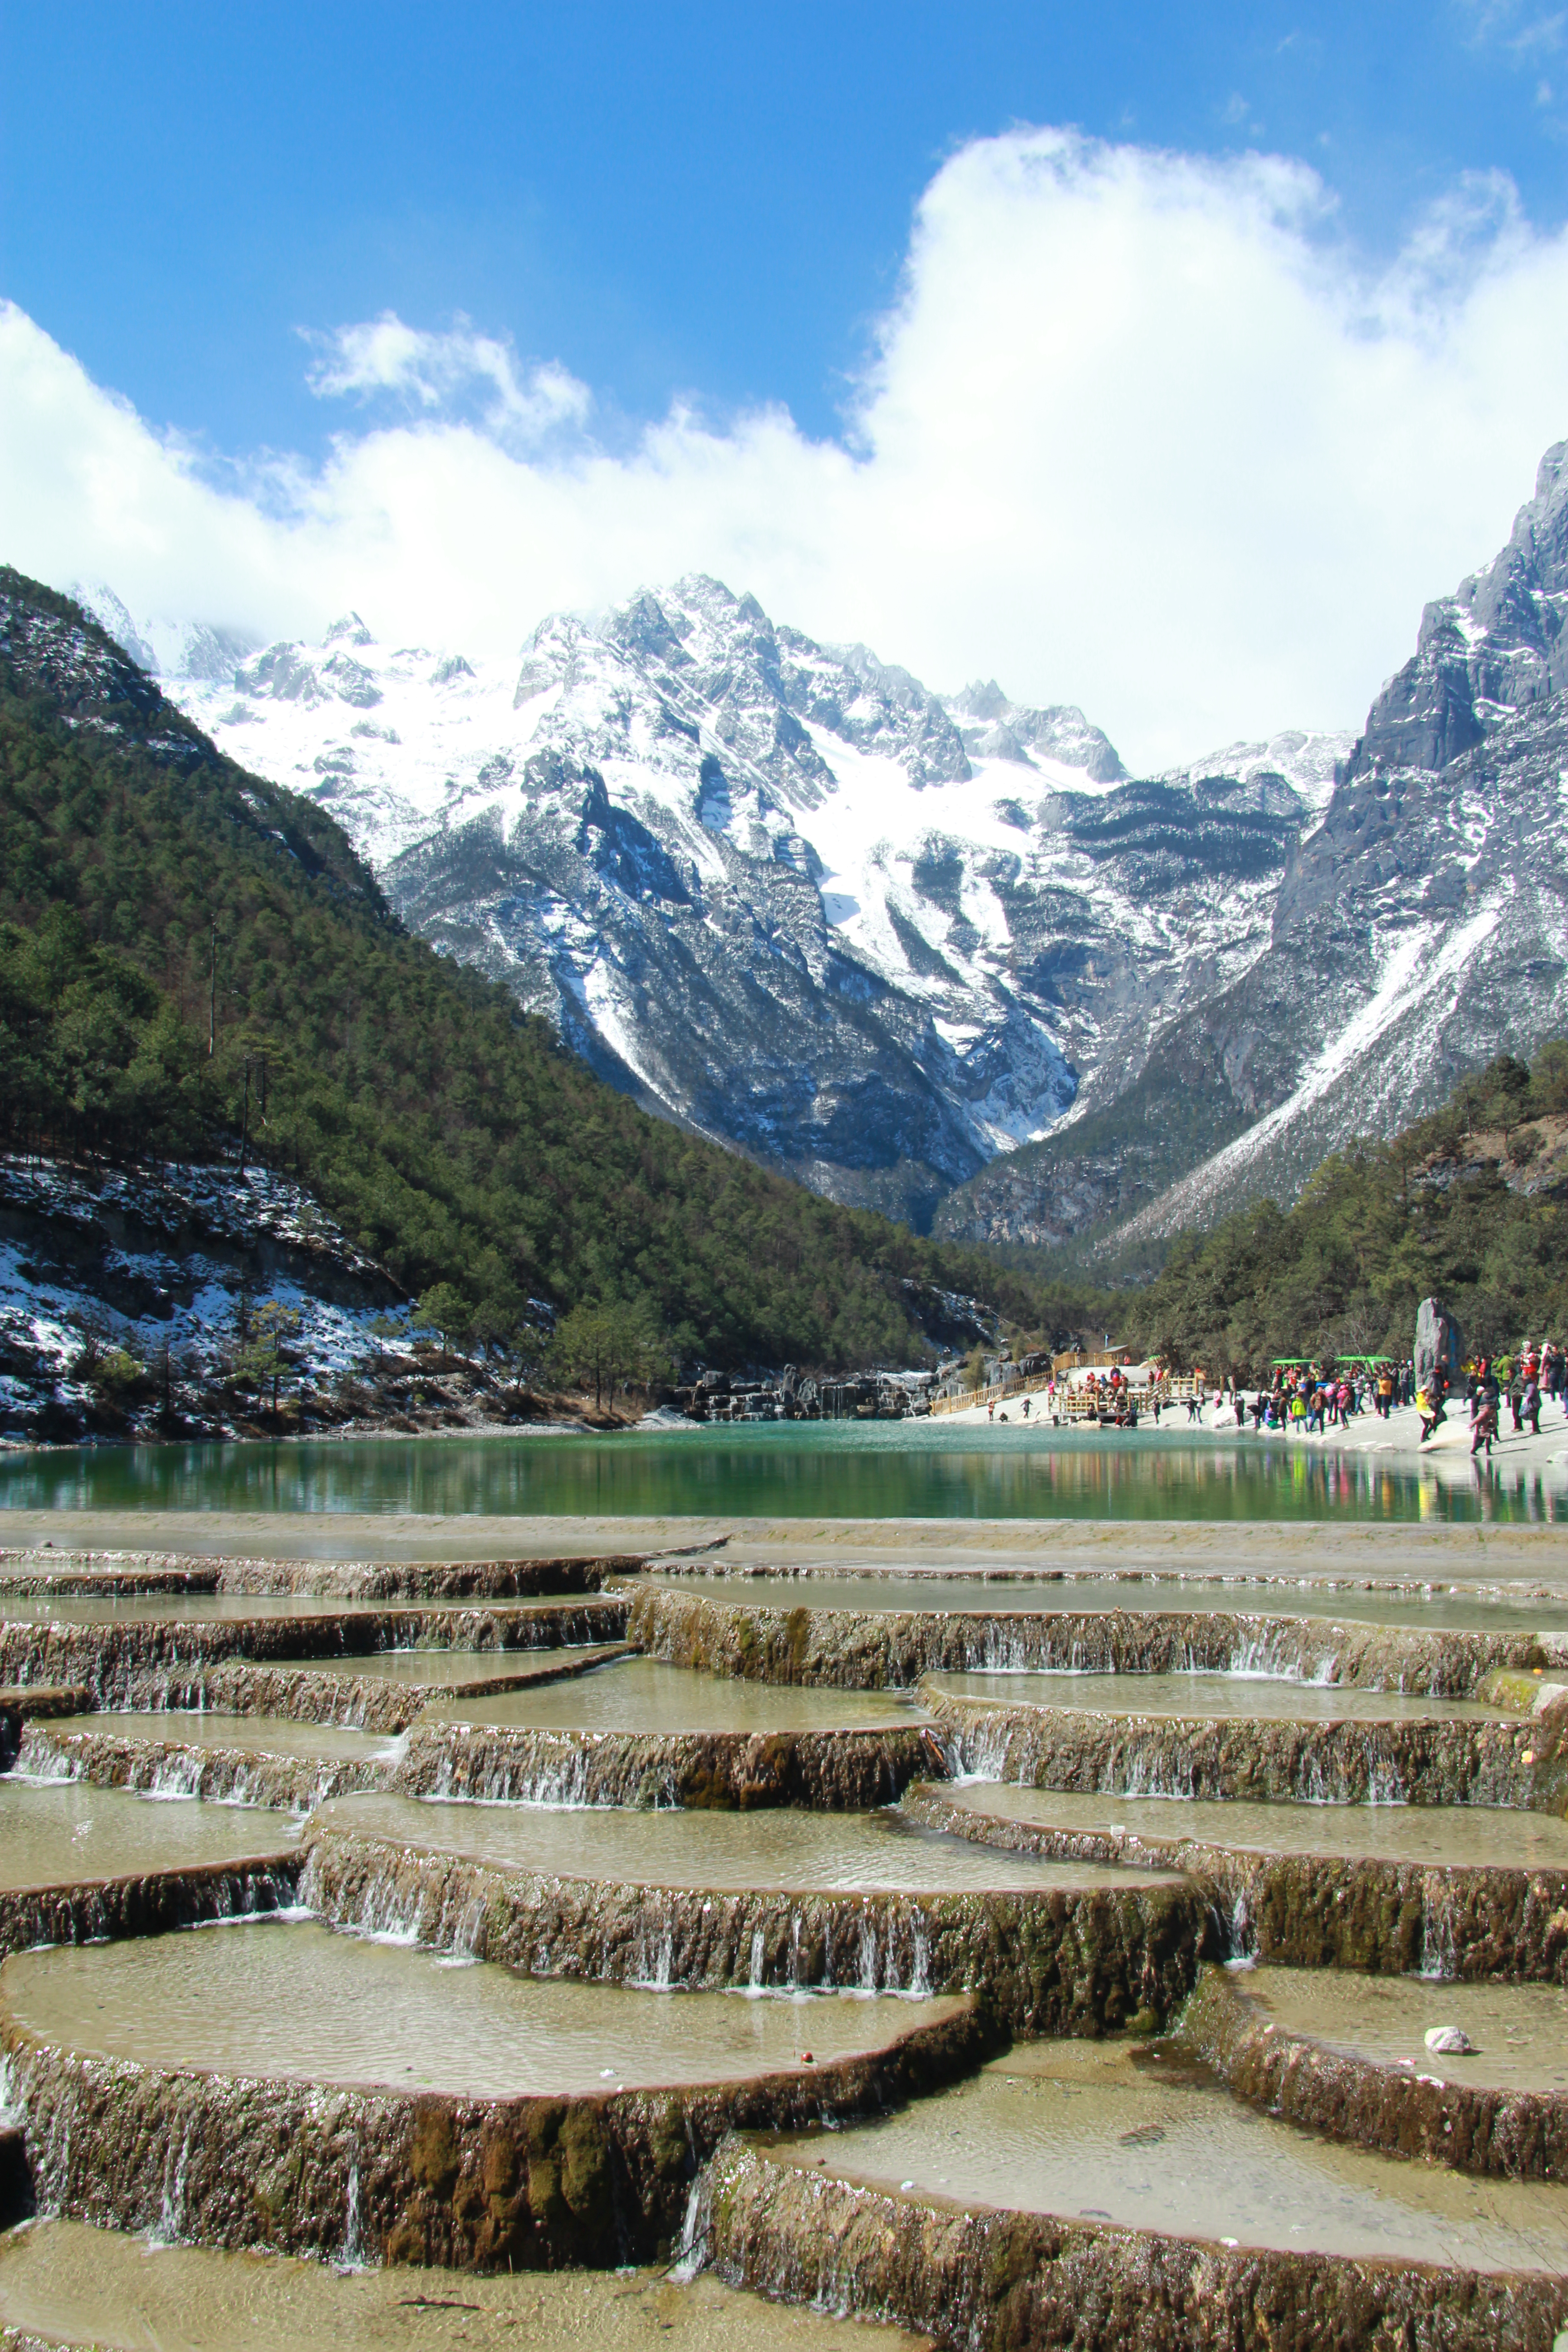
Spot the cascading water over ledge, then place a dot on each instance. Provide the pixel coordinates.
(970, 2272)
(848, 1770)
(259, 2102)
(60, 1570)
(876, 1650)
(1414, 1759)
(1298, 1890)
(1069, 1949)
(225, 1760)
(170, 1661)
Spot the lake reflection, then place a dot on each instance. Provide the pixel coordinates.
(886, 1470)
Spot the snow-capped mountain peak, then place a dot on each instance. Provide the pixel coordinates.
(776, 886)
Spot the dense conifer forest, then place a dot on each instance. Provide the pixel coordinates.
(1471, 1205)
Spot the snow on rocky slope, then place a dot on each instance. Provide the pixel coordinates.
(163, 1264)
(775, 888)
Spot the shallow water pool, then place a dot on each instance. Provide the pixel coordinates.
(774, 1848)
(66, 1834)
(293, 1999)
(644, 1694)
(1437, 1835)
(1084, 2130)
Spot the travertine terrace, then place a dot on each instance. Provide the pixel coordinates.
(773, 1866)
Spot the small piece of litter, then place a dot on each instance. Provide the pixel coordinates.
(906, 2184)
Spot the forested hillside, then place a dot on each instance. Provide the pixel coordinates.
(193, 962)
(1471, 1205)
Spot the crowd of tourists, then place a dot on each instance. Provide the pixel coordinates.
(1520, 1384)
(1310, 1399)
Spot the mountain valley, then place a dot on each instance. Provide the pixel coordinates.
(941, 956)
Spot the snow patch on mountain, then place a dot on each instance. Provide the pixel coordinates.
(165, 1264)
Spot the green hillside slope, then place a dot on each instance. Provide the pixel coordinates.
(189, 956)
(1471, 1206)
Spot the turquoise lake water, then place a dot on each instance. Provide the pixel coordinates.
(840, 1470)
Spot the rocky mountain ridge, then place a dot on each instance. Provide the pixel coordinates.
(942, 956)
(778, 890)
(1419, 928)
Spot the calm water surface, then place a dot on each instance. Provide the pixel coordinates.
(722, 1852)
(1084, 2129)
(289, 1998)
(1437, 1836)
(883, 1470)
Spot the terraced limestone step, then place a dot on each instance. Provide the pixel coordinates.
(640, 1732)
(774, 1899)
(161, 1654)
(79, 1862)
(1347, 2055)
(19, 1705)
(383, 1692)
(1074, 2193)
(1450, 1891)
(281, 2086)
(47, 1569)
(1518, 1606)
(641, 1694)
(882, 1648)
(234, 1759)
(1266, 1741)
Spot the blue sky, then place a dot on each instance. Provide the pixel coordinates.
(1160, 359)
(688, 199)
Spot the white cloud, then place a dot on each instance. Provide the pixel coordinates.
(1141, 432)
(438, 372)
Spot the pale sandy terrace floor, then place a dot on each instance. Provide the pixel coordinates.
(62, 2283)
(1525, 1558)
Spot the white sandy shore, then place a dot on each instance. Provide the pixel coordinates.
(1396, 1440)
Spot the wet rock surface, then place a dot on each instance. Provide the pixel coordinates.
(36, 1701)
(151, 1903)
(51, 1570)
(166, 1661)
(843, 1770)
(1321, 1910)
(345, 2173)
(1063, 1960)
(203, 1766)
(1414, 1761)
(1103, 1948)
(169, 1664)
